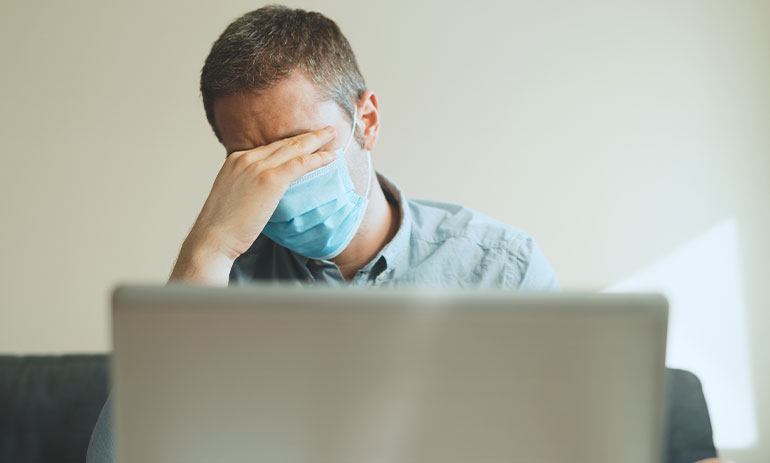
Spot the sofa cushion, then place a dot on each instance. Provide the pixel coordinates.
(48, 406)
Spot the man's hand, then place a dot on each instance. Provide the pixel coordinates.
(244, 196)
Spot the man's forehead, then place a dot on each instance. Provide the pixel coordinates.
(253, 119)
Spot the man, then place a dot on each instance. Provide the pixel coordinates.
(298, 198)
(273, 81)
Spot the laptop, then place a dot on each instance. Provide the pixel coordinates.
(291, 374)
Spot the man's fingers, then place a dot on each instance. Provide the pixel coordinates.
(306, 143)
(282, 150)
(300, 165)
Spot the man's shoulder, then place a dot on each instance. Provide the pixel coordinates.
(467, 237)
(439, 222)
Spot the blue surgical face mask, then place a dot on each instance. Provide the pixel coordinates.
(320, 212)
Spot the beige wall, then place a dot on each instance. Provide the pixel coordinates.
(619, 134)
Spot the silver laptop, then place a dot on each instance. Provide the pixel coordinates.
(285, 374)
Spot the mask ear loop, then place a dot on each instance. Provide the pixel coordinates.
(368, 153)
(369, 169)
(352, 131)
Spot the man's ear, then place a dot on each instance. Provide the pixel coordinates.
(369, 119)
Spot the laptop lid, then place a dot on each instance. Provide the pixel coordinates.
(291, 374)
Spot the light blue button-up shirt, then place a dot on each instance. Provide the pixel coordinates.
(437, 244)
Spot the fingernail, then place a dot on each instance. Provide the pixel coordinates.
(329, 129)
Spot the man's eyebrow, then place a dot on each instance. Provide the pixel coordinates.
(293, 133)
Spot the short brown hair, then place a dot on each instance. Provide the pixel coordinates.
(263, 46)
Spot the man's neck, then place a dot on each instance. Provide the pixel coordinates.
(378, 227)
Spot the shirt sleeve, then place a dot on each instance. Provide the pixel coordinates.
(531, 270)
(101, 448)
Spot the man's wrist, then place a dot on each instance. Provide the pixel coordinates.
(202, 262)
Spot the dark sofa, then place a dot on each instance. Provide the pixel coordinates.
(49, 404)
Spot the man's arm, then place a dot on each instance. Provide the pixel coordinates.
(244, 196)
(199, 261)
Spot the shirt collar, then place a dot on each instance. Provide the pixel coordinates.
(396, 252)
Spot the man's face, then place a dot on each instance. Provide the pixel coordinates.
(293, 106)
